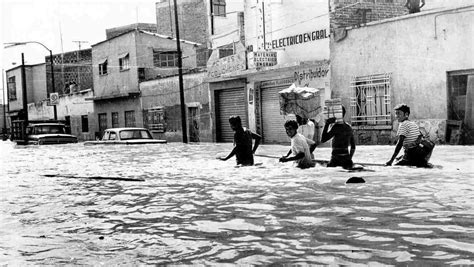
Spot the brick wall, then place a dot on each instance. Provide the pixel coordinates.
(345, 13)
(193, 21)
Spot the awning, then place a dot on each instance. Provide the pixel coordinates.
(123, 55)
(102, 61)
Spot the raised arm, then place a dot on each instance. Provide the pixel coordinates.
(327, 135)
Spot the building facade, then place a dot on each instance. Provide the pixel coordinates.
(423, 59)
(121, 63)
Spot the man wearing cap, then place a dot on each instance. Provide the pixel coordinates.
(408, 134)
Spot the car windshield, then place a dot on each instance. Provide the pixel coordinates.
(49, 129)
(134, 134)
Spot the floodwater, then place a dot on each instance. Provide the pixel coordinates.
(194, 209)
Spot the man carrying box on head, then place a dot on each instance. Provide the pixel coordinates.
(341, 133)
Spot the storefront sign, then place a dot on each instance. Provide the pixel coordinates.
(260, 59)
(304, 76)
(298, 39)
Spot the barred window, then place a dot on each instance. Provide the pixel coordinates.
(130, 118)
(370, 100)
(103, 68)
(165, 59)
(11, 88)
(115, 119)
(124, 62)
(218, 8)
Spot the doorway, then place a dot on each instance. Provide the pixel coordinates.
(460, 128)
(193, 124)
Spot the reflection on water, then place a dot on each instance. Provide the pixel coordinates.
(194, 209)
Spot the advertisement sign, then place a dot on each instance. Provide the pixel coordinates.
(259, 59)
(53, 99)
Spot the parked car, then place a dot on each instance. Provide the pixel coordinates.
(48, 134)
(126, 136)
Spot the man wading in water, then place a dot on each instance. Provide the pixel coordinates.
(242, 143)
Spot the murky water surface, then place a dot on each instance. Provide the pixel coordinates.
(194, 209)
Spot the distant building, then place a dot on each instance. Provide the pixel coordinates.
(116, 31)
(35, 77)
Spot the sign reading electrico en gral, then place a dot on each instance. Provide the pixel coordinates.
(298, 39)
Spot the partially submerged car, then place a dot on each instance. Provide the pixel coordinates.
(48, 134)
(126, 136)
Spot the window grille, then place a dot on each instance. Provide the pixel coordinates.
(130, 118)
(115, 120)
(370, 100)
(155, 119)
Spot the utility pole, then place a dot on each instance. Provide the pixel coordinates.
(24, 98)
(4, 130)
(77, 61)
(180, 73)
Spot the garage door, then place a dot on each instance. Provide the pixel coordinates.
(272, 121)
(231, 102)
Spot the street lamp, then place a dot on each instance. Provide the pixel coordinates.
(51, 63)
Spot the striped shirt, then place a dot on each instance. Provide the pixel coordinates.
(410, 130)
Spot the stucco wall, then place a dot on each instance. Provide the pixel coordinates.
(165, 93)
(119, 105)
(417, 56)
(115, 81)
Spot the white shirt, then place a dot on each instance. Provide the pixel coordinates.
(307, 130)
(298, 145)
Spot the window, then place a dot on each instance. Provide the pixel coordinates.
(370, 100)
(103, 68)
(130, 118)
(155, 119)
(85, 123)
(225, 51)
(165, 58)
(115, 120)
(124, 62)
(11, 88)
(457, 91)
(141, 74)
(218, 7)
(102, 122)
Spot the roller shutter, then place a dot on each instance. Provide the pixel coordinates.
(272, 121)
(231, 102)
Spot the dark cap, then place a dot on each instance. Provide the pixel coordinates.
(402, 107)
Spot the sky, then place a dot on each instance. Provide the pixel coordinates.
(58, 23)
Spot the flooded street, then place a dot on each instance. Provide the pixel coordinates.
(194, 209)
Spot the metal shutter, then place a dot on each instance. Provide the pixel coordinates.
(231, 102)
(273, 122)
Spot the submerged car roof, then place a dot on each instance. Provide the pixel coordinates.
(46, 123)
(125, 128)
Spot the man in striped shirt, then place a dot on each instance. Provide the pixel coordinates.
(408, 134)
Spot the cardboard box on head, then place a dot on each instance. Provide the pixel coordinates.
(333, 109)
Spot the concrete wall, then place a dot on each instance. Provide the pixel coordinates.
(72, 105)
(193, 20)
(418, 50)
(165, 93)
